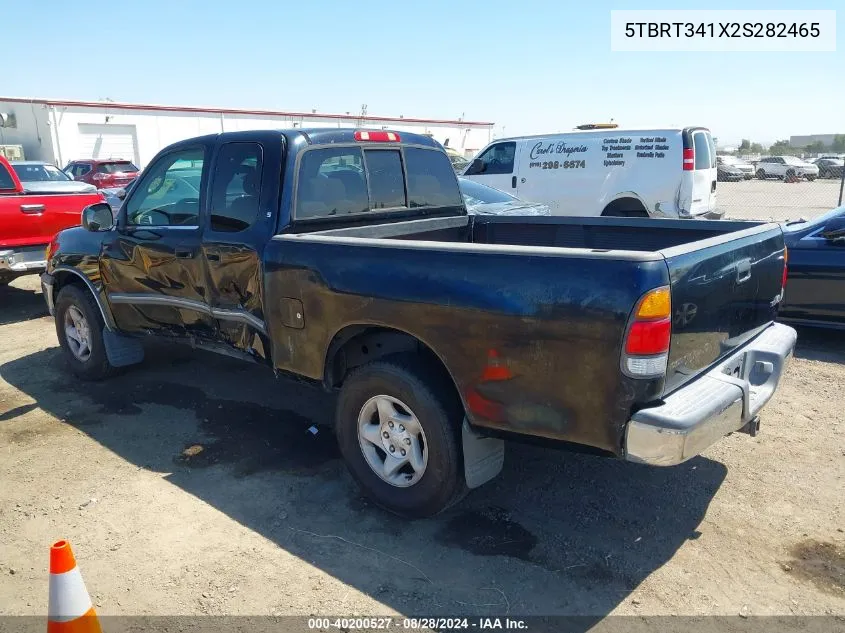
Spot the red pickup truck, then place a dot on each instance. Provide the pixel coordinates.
(28, 221)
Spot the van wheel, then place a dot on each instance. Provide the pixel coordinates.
(398, 427)
(79, 328)
(761, 174)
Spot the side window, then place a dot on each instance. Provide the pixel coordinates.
(236, 187)
(387, 182)
(169, 194)
(6, 181)
(702, 151)
(331, 182)
(497, 159)
(431, 179)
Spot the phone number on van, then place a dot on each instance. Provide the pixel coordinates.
(558, 164)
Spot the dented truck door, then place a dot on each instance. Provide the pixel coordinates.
(243, 198)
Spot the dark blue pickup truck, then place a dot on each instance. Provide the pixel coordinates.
(346, 257)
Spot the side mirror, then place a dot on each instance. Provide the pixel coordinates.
(475, 167)
(834, 231)
(97, 217)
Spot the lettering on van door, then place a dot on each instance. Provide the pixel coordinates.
(618, 151)
(544, 152)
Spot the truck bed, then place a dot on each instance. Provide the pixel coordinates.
(541, 292)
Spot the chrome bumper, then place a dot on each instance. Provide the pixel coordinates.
(47, 291)
(22, 261)
(722, 401)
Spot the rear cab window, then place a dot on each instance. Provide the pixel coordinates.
(6, 181)
(351, 180)
(116, 167)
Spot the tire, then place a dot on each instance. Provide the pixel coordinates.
(72, 303)
(761, 174)
(416, 389)
(811, 178)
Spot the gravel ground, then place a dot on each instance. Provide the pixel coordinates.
(777, 200)
(191, 485)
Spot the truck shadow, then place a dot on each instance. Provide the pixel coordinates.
(821, 344)
(20, 304)
(556, 533)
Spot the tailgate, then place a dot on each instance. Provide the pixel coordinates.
(33, 219)
(725, 290)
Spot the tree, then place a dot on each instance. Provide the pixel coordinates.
(744, 147)
(838, 144)
(816, 147)
(782, 147)
(757, 148)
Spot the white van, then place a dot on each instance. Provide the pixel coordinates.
(658, 173)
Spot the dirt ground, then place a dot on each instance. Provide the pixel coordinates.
(191, 485)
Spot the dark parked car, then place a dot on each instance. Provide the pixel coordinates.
(102, 173)
(830, 167)
(360, 270)
(815, 289)
(483, 200)
(731, 168)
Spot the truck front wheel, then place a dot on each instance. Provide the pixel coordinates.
(79, 328)
(398, 426)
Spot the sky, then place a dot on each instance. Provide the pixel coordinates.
(531, 66)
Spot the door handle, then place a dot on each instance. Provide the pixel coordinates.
(513, 182)
(743, 271)
(32, 208)
(213, 257)
(184, 253)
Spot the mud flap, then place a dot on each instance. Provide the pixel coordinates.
(122, 350)
(483, 457)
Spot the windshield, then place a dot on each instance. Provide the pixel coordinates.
(114, 168)
(731, 160)
(38, 173)
(475, 193)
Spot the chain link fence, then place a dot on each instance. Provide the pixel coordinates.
(779, 198)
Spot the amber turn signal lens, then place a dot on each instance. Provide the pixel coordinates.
(655, 305)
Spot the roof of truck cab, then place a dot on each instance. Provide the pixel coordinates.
(320, 136)
(313, 136)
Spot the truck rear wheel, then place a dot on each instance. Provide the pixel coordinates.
(79, 327)
(398, 426)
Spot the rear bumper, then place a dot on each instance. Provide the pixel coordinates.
(724, 400)
(19, 261)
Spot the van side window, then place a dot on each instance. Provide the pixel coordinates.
(497, 159)
(702, 151)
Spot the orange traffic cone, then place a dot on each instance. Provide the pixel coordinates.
(69, 609)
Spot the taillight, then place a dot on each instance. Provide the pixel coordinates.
(785, 260)
(689, 159)
(646, 350)
(99, 176)
(377, 136)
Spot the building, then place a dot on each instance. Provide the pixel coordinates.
(59, 131)
(803, 141)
